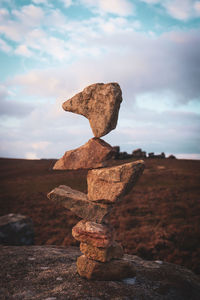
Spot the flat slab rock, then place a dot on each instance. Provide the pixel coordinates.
(97, 235)
(96, 153)
(49, 272)
(16, 230)
(111, 184)
(78, 203)
(100, 104)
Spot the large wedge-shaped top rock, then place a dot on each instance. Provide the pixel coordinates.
(78, 203)
(100, 104)
(94, 154)
(110, 184)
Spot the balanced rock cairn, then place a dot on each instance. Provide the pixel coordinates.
(102, 257)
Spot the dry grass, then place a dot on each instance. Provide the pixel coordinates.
(159, 219)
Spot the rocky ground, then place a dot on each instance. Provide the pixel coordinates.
(49, 273)
(158, 220)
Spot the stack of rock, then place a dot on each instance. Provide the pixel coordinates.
(102, 257)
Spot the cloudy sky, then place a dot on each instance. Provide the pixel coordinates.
(50, 50)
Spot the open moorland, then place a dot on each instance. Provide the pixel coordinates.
(158, 220)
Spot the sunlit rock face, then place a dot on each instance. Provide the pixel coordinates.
(111, 184)
(94, 154)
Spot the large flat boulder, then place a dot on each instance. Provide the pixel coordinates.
(50, 272)
(100, 104)
(111, 184)
(97, 235)
(115, 269)
(78, 203)
(96, 153)
(16, 229)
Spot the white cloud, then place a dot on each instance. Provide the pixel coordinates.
(23, 50)
(118, 7)
(197, 7)
(40, 145)
(29, 15)
(4, 46)
(17, 25)
(40, 1)
(67, 3)
(188, 156)
(31, 155)
(182, 10)
(3, 13)
(179, 9)
(142, 63)
(151, 1)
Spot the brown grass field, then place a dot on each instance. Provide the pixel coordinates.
(158, 220)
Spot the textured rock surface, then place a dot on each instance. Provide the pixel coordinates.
(115, 269)
(16, 229)
(110, 184)
(94, 154)
(42, 272)
(102, 254)
(100, 104)
(78, 203)
(97, 235)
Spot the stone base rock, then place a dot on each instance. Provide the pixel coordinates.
(94, 154)
(110, 184)
(16, 230)
(97, 235)
(78, 203)
(49, 272)
(115, 269)
(100, 104)
(102, 254)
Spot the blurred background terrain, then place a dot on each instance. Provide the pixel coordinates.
(158, 220)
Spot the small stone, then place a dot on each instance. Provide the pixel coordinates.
(115, 250)
(100, 104)
(44, 268)
(96, 153)
(115, 269)
(110, 184)
(59, 278)
(16, 230)
(78, 203)
(97, 235)
(130, 281)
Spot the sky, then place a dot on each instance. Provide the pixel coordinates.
(50, 50)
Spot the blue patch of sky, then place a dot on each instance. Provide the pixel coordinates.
(9, 65)
(154, 18)
(76, 12)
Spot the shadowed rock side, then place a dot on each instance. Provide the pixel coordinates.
(78, 203)
(110, 184)
(94, 154)
(49, 272)
(100, 104)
